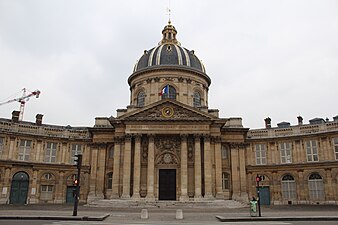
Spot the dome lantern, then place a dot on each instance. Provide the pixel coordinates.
(169, 35)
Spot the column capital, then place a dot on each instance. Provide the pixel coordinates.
(184, 137)
(151, 137)
(216, 139)
(197, 136)
(138, 137)
(127, 137)
(206, 137)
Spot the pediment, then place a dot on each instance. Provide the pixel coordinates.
(168, 110)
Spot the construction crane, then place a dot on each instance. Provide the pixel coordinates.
(26, 94)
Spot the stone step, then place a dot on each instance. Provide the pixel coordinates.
(117, 203)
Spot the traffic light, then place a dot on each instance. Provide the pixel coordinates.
(76, 181)
(260, 178)
(78, 161)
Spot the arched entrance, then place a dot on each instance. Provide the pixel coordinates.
(19, 188)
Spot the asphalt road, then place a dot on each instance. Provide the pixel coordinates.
(49, 222)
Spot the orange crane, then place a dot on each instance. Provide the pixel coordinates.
(26, 94)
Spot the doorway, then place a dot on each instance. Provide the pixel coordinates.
(19, 188)
(167, 184)
(264, 192)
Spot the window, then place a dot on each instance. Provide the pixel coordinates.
(109, 180)
(225, 181)
(260, 154)
(1, 145)
(285, 152)
(76, 150)
(50, 155)
(140, 99)
(168, 91)
(316, 187)
(197, 99)
(111, 153)
(288, 187)
(224, 151)
(311, 151)
(335, 145)
(48, 176)
(24, 149)
(47, 192)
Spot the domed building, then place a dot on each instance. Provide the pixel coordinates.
(167, 145)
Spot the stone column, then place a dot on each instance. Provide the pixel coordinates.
(184, 169)
(5, 192)
(59, 190)
(137, 167)
(328, 187)
(301, 188)
(207, 169)
(236, 185)
(151, 169)
(12, 149)
(116, 168)
(242, 173)
(126, 168)
(198, 169)
(34, 189)
(218, 168)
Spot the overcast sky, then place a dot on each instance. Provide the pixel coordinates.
(276, 59)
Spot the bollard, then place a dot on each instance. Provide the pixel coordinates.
(144, 214)
(179, 214)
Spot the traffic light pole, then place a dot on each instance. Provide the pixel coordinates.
(77, 192)
(258, 178)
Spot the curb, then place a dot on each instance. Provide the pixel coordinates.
(296, 218)
(78, 218)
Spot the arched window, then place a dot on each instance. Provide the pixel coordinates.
(197, 99)
(288, 187)
(140, 99)
(168, 91)
(316, 187)
(109, 180)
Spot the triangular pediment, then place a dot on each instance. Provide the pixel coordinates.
(167, 109)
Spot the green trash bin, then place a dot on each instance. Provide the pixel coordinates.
(253, 208)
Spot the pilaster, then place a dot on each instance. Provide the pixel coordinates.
(126, 168)
(198, 169)
(184, 168)
(137, 167)
(151, 169)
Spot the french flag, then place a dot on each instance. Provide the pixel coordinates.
(165, 90)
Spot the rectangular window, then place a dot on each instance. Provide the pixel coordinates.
(24, 150)
(46, 192)
(224, 152)
(260, 154)
(76, 150)
(225, 181)
(285, 152)
(1, 145)
(111, 153)
(335, 145)
(50, 155)
(311, 151)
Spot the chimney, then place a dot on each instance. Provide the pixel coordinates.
(15, 116)
(38, 119)
(267, 122)
(300, 120)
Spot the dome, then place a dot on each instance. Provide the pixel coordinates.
(169, 52)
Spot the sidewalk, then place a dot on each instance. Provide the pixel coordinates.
(168, 214)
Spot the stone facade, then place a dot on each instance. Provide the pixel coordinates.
(168, 145)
